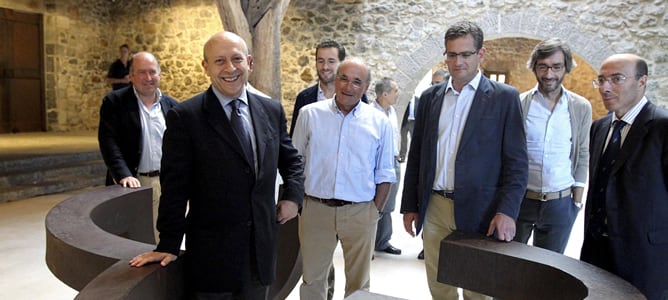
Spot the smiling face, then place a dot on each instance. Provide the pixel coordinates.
(352, 81)
(327, 60)
(548, 79)
(227, 63)
(145, 74)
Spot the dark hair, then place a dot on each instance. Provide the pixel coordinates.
(641, 68)
(332, 44)
(384, 85)
(464, 28)
(124, 46)
(548, 47)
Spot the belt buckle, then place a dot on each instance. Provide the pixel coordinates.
(543, 196)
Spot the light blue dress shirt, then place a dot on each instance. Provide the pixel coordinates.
(346, 155)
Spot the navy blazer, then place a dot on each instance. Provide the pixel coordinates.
(119, 132)
(306, 97)
(637, 200)
(232, 207)
(491, 166)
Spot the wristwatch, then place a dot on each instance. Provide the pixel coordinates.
(578, 204)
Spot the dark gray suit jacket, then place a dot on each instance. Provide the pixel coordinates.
(119, 133)
(232, 208)
(637, 200)
(491, 165)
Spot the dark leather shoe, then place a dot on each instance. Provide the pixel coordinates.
(391, 250)
(421, 255)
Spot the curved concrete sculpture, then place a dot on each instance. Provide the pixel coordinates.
(91, 236)
(517, 271)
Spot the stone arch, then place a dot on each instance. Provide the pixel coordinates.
(496, 25)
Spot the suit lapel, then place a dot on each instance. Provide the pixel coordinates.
(216, 117)
(635, 135)
(260, 126)
(480, 100)
(598, 142)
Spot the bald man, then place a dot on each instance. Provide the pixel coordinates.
(132, 124)
(221, 152)
(349, 166)
(627, 202)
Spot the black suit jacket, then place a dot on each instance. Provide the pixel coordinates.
(305, 97)
(119, 133)
(637, 200)
(491, 166)
(232, 208)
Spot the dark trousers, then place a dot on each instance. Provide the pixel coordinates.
(596, 250)
(550, 221)
(405, 129)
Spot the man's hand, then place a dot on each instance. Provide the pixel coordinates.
(150, 257)
(504, 226)
(286, 210)
(410, 220)
(130, 182)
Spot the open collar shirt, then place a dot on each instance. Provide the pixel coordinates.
(549, 144)
(346, 156)
(454, 113)
(153, 128)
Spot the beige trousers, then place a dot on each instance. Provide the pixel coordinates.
(319, 227)
(153, 182)
(438, 224)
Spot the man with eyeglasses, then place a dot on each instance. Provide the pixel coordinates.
(557, 125)
(349, 167)
(627, 201)
(467, 165)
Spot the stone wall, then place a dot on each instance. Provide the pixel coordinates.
(81, 40)
(404, 39)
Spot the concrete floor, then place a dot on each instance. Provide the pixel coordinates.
(22, 235)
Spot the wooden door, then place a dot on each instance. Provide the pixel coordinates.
(22, 107)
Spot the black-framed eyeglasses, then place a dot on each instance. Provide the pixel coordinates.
(464, 55)
(615, 79)
(555, 68)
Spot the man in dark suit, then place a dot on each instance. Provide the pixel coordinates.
(221, 152)
(626, 231)
(132, 123)
(467, 165)
(328, 55)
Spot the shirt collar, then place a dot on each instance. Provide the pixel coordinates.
(631, 115)
(473, 83)
(335, 109)
(562, 98)
(224, 100)
(158, 95)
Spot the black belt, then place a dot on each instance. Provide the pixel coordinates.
(150, 174)
(445, 193)
(331, 202)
